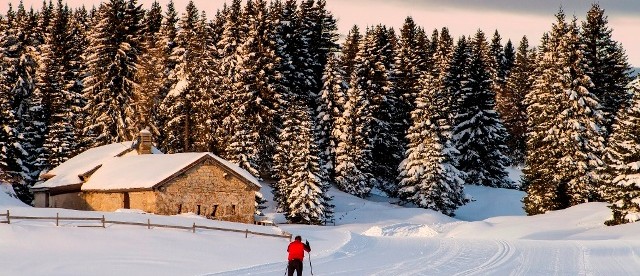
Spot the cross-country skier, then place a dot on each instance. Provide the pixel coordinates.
(296, 251)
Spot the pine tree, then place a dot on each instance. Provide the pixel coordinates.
(178, 107)
(387, 128)
(369, 98)
(412, 63)
(622, 158)
(150, 72)
(167, 42)
(543, 192)
(442, 48)
(582, 124)
(330, 107)
(226, 65)
(251, 122)
(302, 189)
(111, 62)
(428, 175)
(350, 51)
(564, 150)
(16, 83)
(512, 107)
(57, 77)
(353, 155)
(478, 132)
(606, 63)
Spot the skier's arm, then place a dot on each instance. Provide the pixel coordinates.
(307, 247)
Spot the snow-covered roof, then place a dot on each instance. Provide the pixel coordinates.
(69, 172)
(146, 171)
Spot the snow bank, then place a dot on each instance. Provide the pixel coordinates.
(401, 230)
(8, 198)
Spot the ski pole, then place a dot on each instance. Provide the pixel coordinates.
(310, 266)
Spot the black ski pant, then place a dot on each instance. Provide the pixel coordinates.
(294, 265)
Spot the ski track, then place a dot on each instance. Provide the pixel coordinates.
(461, 257)
(503, 253)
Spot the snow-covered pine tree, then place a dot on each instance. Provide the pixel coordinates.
(111, 64)
(322, 38)
(80, 25)
(226, 69)
(623, 153)
(388, 126)
(251, 122)
(566, 135)
(307, 199)
(331, 106)
(150, 74)
(353, 152)
(452, 80)
(204, 78)
(368, 91)
(606, 63)
(267, 78)
(178, 107)
(283, 158)
(428, 175)
(582, 124)
(541, 155)
(167, 42)
(495, 60)
(57, 76)
(442, 46)
(499, 67)
(18, 66)
(478, 133)
(350, 51)
(512, 107)
(412, 62)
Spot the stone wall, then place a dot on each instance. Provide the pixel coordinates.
(102, 201)
(209, 190)
(111, 201)
(145, 201)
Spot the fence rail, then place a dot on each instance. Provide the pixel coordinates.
(147, 224)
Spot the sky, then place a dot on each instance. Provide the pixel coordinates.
(489, 236)
(512, 18)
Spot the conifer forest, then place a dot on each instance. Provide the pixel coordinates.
(271, 86)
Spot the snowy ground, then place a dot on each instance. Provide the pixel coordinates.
(490, 236)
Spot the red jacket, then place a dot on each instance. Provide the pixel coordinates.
(296, 250)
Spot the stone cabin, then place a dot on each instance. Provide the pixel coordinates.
(118, 176)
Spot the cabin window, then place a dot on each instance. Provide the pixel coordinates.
(46, 199)
(213, 212)
(126, 202)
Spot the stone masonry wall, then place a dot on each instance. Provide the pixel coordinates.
(111, 201)
(100, 201)
(208, 190)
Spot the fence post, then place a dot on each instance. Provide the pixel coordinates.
(103, 222)
(148, 224)
(8, 217)
(194, 227)
(57, 218)
(246, 233)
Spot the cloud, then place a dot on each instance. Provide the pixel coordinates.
(540, 7)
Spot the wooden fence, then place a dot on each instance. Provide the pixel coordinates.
(102, 222)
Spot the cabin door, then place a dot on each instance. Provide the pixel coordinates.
(125, 201)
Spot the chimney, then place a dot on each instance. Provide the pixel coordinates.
(144, 142)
